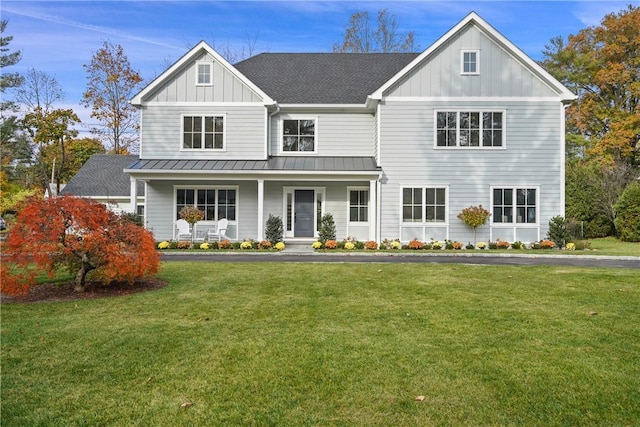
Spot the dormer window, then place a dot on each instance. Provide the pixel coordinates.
(470, 62)
(203, 73)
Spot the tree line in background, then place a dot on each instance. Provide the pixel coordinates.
(39, 140)
(600, 64)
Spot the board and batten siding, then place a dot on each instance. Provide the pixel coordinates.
(500, 73)
(337, 134)
(531, 157)
(161, 136)
(182, 86)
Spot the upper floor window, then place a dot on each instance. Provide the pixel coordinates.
(203, 73)
(514, 205)
(424, 204)
(299, 135)
(203, 132)
(470, 62)
(469, 128)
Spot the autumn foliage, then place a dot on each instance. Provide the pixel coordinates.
(474, 217)
(79, 235)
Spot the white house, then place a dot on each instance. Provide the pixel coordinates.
(392, 145)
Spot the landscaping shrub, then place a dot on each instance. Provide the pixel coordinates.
(502, 244)
(371, 245)
(547, 244)
(415, 244)
(264, 244)
(331, 244)
(327, 229)
(559, 231)
(517, 245)
(628, 214)
(274, 230)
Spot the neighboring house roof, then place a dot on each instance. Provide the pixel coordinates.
(322, 78)
(103, 176)
(274, 164)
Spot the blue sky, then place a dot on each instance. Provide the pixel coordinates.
(58, 37)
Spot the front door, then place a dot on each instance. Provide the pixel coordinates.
(303, 221)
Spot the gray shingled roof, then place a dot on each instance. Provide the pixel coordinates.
(103, 176)
(322, 78)
(274, 164)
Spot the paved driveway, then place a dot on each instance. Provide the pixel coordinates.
(493, 259)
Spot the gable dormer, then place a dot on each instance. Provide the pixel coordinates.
(201, 76)
(473, 60)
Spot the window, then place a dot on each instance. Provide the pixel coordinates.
(517, 204)
(424, 204)
(203, 132)
(470, 62)
(435, 205)
(298, 135)
(203, 73)
(215, 203)
(466, 129)
(358, 205)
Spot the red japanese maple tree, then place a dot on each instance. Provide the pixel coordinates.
(80, 235)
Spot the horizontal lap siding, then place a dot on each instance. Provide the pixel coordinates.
(161, 198)
(162, 138)
(337, 134)
(531, 158)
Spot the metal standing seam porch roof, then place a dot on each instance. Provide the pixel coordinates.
(274, 164)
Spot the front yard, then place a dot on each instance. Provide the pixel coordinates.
(333, 344)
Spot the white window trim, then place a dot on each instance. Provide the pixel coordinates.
(515, 223)
(360, 188)
(424, 222)
(281, 120)
(469, 110)
(210, 64)
(206, 150)
(475, 73)
(207, 187)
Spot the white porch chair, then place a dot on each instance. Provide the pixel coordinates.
(183, 232)
(219, 231)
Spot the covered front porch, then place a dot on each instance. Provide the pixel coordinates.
(298, 190)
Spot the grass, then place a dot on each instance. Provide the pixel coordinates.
(333, 344)
(614, 247)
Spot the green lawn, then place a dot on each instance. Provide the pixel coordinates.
(333, 344)
(614, 247)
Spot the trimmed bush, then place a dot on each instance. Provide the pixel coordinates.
(628, 214)
(274, 229)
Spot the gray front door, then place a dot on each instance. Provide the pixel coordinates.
(303, 213)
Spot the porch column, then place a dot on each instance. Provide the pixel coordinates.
(260, 210)
(133, 196)
(373, 209)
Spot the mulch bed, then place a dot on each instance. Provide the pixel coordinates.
(48, 292)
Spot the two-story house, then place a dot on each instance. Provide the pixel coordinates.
(393, 145)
